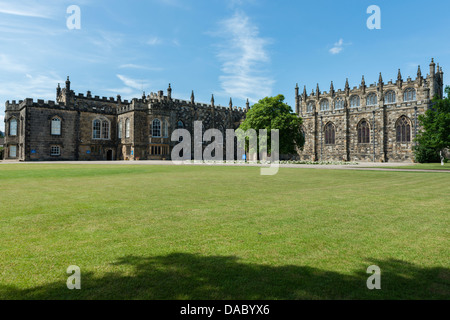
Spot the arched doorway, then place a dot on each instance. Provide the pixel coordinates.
(109, 155)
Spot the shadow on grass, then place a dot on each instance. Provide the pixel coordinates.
(187, 276)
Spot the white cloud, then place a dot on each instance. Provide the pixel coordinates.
(244, 59)
(27, 9)
(2, 123)
(338, 47)
(153, 41)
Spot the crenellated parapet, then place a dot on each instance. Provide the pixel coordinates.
(376, 95)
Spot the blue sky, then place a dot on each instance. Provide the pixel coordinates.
(229, 48)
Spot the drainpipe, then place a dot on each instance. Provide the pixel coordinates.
(415, 125)
(374, 154)
(321, 138)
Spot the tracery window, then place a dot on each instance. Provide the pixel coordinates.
(403, 129)
(363, 132)
(330, 134)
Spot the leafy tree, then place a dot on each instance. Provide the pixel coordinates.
(272, 113)
(2, 135)
(435, 136)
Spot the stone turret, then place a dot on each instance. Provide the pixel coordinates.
(169, 93)
(297, 100)
(192, 97)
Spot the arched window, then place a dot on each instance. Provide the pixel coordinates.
(371, 99)
(180, 124)
(390, 97)
(56, 127)
(409, 95)
(355, 102)
(324, 105)
(13, 127)
(156, 128)
(165, 129)
(330, 134)
(96, 129)
(363, 132)
(339, 104)
(310, 107)
(119, 131)
(105, 129)
(127, 128)
(403, 128)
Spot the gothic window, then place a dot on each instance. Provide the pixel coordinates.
(165, 129)
(180, 125)
(339, 104)
(409, 95)
(310, 107)
(403, 129)
(96, 129)
(119, 131)
(55, 151)
(324, 105)
(13, 127)
(330, 134)
(105, 129)
(127, 128)
(156, 128)
(390, 97)
(363, 132)
(56, 127)
(371, 99)
(355, 102)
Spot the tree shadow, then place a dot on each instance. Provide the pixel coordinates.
(188, 276)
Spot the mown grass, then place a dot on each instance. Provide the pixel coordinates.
(424, 166)
(167, 232)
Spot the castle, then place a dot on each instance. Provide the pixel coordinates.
(79, 127)
(367, 123)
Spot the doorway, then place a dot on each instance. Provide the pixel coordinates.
(109, 155)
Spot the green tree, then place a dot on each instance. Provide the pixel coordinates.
(272, 113)
(435, 136)
(2, 135)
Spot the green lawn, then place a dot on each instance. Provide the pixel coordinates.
(424, 166)
(189, 232)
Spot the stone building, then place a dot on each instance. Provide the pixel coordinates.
(86, 127)
(378, 122)
(367, 123)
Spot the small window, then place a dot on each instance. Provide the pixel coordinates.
(324, 105)
(180, 125)
(409, 95)
(339, 104)
(156, 128)
(371, 99)
(13, 127)
(127, 128)
(105, 129)
(56, 127)
(165, 129)
(355, 102)
(390, 97)
(55, 151)
(330, 134)
(13, 151)
(96, 129)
